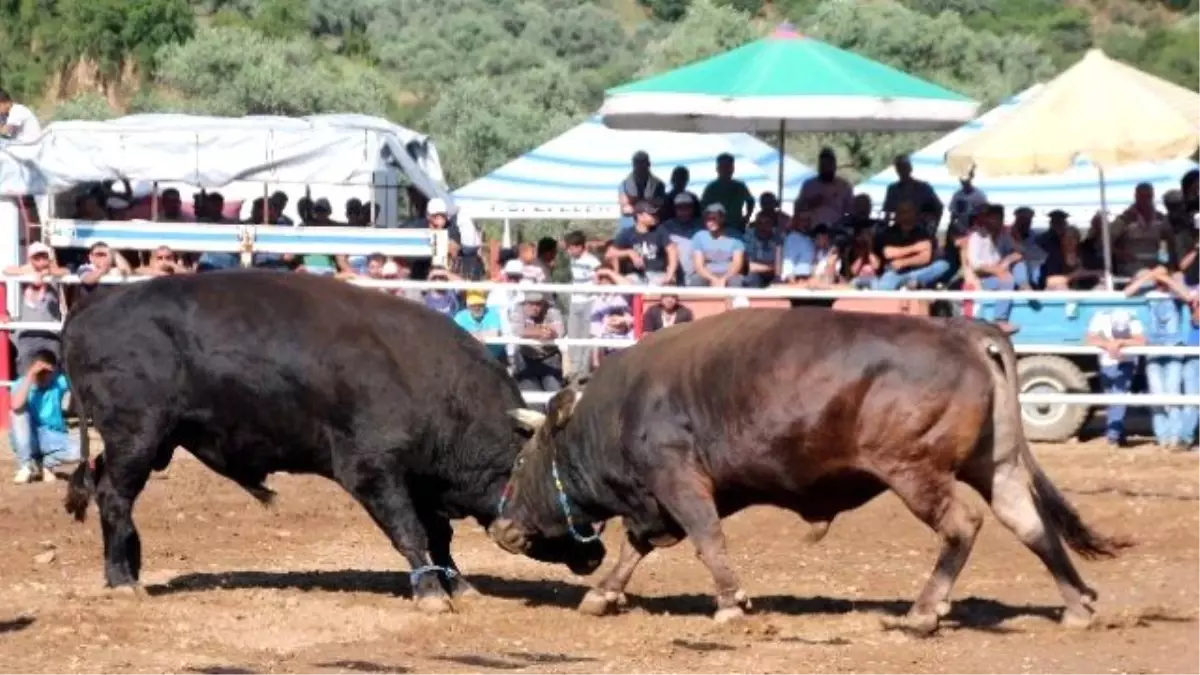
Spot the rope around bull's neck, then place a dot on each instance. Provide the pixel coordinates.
(563, 501)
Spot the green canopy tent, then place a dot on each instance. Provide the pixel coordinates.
(785, 82)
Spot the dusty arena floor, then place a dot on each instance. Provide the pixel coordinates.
(312, 586)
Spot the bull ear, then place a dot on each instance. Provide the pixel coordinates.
(527, 419)
(562, 406)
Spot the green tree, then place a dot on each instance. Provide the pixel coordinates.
(88, 106)
(707, 29)
(666, 10)
(237, 71)
(111, 32)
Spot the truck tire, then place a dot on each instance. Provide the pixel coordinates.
(1051, 375)
(1051, 423)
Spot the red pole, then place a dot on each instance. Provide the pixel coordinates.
(5, 372)
(639, 302)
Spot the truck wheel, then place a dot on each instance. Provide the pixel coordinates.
(1058, 422)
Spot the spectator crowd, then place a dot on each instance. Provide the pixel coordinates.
(669, 236)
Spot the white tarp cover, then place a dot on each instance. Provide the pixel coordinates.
(576, 175)
(1076, 191)
(212, 152)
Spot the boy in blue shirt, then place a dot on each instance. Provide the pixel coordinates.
(38, 431)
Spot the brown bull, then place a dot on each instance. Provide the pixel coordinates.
(806, 409)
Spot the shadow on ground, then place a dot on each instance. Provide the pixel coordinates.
(968, 613)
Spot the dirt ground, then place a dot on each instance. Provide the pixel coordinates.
(311, 586)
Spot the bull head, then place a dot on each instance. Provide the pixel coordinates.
(508, 536)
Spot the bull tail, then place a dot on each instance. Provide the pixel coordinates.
(1059, 515)
(82, 485)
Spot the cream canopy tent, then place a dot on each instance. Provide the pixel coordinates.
(1100, 110)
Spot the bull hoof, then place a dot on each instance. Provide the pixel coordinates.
(433, 604)
(1076, 620)
(742, 600)
(599, 603)
(729, 614)
(943, 609)
(915, 624)
(135, 591)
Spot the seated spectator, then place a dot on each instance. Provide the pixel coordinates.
(547, 256)
(862, 266)
(1141, 236)
(1027, 272)
(825, 264)
(1050, 241)
(768, 204)
(611, 317)
(443, 301)
(41, 301)
(1068, 269)
(667, 312)
(170, 207)
(1164, 372)
(37, 429)
(278, 202)
(908, 253)
(163, 261)
(797, 253)
(860, 218)
(967, 201)
(538, 367)
(506, 301)
(102, 262)
(644, 253)
(1113, 330)
(1188, 425)
(481, 321)
(680, 229)
(532, 268)
(762, 250)
(717, 256)
(1187, 237)
(986, 268)
(583, 267)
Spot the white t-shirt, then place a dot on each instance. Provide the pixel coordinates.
(982, 250)
(25, 124)
(583, 270)
(1115, 326)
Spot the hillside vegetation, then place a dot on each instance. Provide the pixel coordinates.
(489, 79)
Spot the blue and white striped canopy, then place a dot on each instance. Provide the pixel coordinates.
(576, 175)
(1076, 191)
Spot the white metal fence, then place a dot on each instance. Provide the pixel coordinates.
(1067, 398)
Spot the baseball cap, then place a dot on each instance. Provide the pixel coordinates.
(476, 298)
(684, 198)
(514, 268)
(1058, 214)
(38, 248)
(436, 206)
(715, 208)
(1172, 197)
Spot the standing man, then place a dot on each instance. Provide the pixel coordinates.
(732, 194)
(918, 192)
(827, 196)
(20, 124)
(639, 186)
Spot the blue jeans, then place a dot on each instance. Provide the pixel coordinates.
(1023, 275)
(1002, 307)
(1164, 375)
(923, 276)
(40, 446)
(1116, 379)
(1189, 417)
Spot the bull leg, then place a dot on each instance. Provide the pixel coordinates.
(687, 496)
(609, 594)
(1012, 502)
(957, 522)
(122, 476)
(386, 500)
(440, 534)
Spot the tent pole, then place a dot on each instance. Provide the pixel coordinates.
(1107, 234)
(782, 145)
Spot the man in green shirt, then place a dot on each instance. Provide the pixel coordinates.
(732, 194)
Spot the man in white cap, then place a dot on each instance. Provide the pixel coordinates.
(1112, 331)
(505, 301)
(40, 301)
(717, 256)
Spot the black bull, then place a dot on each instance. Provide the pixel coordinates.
(807, 409)
(255, 372)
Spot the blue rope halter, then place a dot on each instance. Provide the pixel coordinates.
(563, 502)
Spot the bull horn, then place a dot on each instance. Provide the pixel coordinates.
(529, 419)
